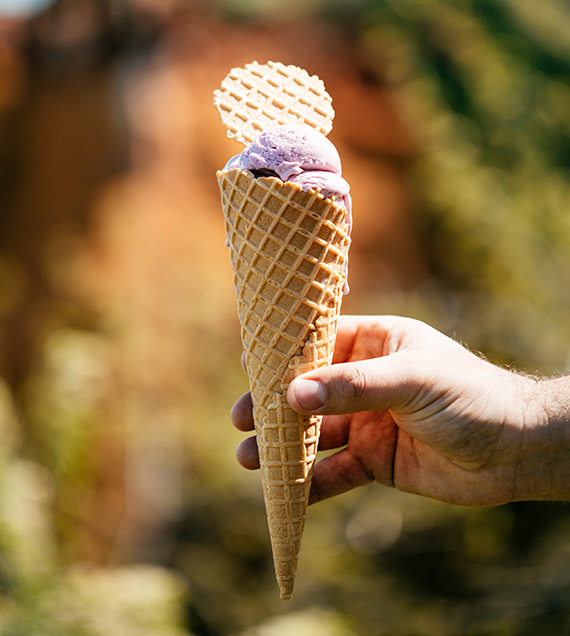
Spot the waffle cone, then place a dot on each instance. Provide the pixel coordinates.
(288, 251)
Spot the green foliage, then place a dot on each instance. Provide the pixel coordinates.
(41, 597)
(483, 85)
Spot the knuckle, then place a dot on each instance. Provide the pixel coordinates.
(355, 383)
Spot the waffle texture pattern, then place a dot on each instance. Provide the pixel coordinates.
(288, 251)
(258, 96)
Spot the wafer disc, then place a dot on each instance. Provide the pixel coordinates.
(258, 96)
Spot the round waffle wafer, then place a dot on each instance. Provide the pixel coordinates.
(258, 96)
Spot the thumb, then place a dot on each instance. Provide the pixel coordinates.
(391, 382)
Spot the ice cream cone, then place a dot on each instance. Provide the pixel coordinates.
(288, 250)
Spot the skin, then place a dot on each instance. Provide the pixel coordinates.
(410, 408)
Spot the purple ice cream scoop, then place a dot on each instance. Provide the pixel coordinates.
(291, 150)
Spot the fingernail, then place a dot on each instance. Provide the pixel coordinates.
(310, 394)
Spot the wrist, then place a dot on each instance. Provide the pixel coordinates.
(543, 468)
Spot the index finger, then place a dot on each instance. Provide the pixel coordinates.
(360, 337)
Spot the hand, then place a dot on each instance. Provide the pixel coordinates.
(412, 408)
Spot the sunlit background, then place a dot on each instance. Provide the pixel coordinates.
(122, 509)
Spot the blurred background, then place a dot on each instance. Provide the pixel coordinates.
(122, 509)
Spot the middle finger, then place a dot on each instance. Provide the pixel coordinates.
(334, 431)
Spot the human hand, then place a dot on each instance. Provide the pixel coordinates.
(411, 408)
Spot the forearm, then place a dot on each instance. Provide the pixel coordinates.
(543, 472)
